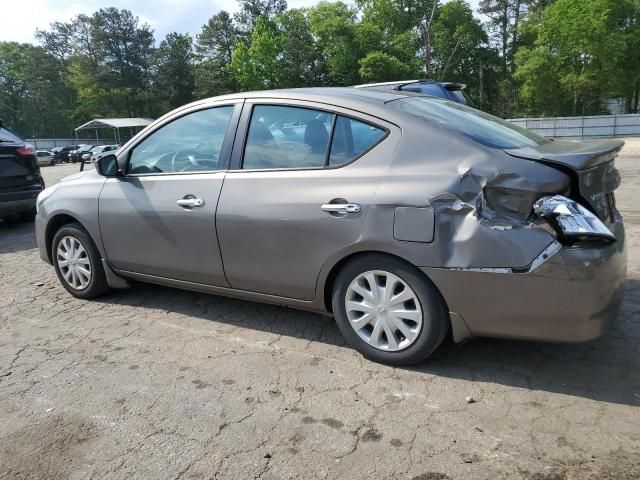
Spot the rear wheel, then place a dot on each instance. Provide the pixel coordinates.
(388, 310)
(78, 263)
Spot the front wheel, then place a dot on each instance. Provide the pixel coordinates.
(78, 263)
(388, 310)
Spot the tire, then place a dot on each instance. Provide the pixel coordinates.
(424, 334)
(96, 284)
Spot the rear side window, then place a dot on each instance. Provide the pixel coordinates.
(351, 138)
(295, 137)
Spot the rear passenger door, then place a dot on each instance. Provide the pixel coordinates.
(281, 212)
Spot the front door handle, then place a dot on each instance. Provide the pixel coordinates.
(341, 208)
(189, 201)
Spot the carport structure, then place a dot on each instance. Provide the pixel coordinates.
(115, 124)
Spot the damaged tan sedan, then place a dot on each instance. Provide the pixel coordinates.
(406, 217)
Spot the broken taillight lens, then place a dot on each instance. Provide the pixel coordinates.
(571, 220)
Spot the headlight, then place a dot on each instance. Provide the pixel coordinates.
(46, 193)
(572, 220)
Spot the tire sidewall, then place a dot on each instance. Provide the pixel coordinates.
(96, 284)
(435, 318)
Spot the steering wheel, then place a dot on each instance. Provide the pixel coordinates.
(191, 161)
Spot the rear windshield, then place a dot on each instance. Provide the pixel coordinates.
(481, 127)
(8, 136)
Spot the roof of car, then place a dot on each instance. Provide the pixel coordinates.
(325, 93)
(348, 97)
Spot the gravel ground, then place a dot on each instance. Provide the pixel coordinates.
(156, 383)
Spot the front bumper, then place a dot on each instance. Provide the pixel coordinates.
(573, 296)
(41, 227)
(19, 201)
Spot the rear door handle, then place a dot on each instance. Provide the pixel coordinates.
(190, 201)
(341, 207)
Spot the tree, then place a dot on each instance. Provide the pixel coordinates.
(299, 54)
(173, 71)
(404, 19)
(106, 57)
(256, 66)
(214, 49)
(334, 27)
(281, 53)
(582, 50)
(34, 99)
(251, 10)
(381, 67)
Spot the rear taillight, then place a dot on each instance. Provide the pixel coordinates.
(571, 220)
(26, 150)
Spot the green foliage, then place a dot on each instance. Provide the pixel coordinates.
(581, 56)
(381, 67)
(257, 66)
(529, 57)
(34, 98)
(173, 73)
(334, 27)
(251, 10)
(214, 49)
(459, 43)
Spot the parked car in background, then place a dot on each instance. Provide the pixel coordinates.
(62, 155)
(45, 158)
(76, 155)
(97, 151)
(404, 216)
(447, 90)
(20, 179)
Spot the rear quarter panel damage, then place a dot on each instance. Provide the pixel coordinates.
(452, 175)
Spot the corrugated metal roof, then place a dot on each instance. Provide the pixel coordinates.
(116, 123)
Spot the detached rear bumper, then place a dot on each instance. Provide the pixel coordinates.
(573, 296)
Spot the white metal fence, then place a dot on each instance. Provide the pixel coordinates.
(583, 127)
(45, 143)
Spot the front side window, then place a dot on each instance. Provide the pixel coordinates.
(191, 143)
(296, 137)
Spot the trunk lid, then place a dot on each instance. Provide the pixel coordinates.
(591, 166)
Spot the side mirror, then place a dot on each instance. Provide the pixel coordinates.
(107, 166)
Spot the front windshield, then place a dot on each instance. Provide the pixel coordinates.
(480, 126)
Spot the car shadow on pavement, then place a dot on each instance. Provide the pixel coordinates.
(606, 370)
(16, 236)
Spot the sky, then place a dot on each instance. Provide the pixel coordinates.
(21, 18)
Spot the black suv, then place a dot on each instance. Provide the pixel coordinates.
(20, 179)
(63, 155)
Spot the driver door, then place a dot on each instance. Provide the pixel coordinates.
(159, 218)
